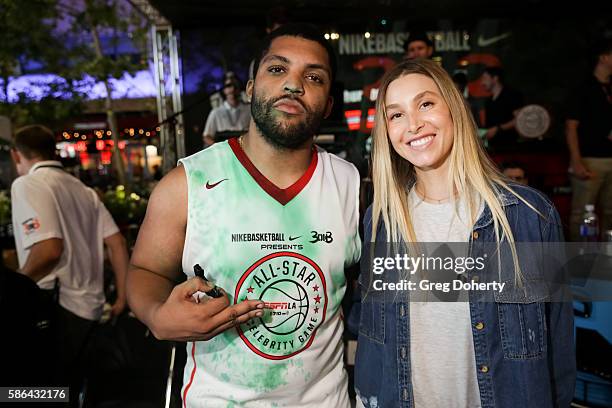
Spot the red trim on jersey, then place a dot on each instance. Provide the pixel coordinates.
(281, 195)
(193, 371)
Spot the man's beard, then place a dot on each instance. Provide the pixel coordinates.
(275, 131)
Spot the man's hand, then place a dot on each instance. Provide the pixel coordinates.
(118, 307)
(180, 318)
(578, 169)
(491, 132)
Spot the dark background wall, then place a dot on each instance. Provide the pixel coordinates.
(544, 58)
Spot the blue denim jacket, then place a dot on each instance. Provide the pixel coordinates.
(511, 371)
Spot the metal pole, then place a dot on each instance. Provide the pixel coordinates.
(177, 105)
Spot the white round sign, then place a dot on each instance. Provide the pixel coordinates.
(532, 121)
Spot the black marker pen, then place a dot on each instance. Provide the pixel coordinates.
(214, 292)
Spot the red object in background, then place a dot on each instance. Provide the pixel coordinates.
(370, 122)
(81, 146)
(105, 157)
(100, 144)
(84, 157)
(353, 119)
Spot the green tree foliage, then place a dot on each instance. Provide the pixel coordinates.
(77, 40)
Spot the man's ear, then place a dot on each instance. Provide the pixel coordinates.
(328, 108)
(16, 156)
(249, 89)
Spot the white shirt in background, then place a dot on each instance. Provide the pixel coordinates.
(49, 203)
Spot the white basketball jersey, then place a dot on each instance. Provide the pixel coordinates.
(287, 247)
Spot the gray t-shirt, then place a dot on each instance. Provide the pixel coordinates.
(442, 348)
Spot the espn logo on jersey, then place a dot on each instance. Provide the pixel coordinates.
(30, 225)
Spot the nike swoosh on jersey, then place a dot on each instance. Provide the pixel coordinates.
(485, 42)
(213, 185)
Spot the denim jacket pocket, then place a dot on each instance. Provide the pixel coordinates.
(522, 322)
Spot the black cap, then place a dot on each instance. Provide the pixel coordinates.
(417, 36)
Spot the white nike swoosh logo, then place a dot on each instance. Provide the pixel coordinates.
(485, 42)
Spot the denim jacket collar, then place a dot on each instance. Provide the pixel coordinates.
(506, 198)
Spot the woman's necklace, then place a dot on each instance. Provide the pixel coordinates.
(429, 199)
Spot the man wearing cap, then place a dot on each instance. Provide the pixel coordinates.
(418, 45)
(232, 115)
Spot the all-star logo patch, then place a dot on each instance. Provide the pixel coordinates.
(294, 292)
(30, 225)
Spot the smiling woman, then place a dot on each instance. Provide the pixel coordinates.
(433, 182)
(419, 122)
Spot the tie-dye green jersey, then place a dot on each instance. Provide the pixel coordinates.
(288, 247)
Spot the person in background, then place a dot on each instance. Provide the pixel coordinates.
(61, 228)
(460, 79)
(232, 115)
(588, 130)
(418, 45)
(515, 171)
(24, 313)
(500, 110)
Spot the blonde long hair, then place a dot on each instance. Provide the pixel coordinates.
(472, 174)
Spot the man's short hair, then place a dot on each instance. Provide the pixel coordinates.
(305, 31)
(35, 141)
(231, 80)
(496, 72)
(417, 36)
(512, 165)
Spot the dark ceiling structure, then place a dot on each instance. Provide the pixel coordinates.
(207, 13)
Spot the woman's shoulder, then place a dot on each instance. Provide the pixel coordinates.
(524, 195)
(529, 199)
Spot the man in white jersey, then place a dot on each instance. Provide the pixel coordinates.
(273, 221)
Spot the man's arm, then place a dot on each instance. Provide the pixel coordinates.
(210, 129)
(516, 104)
(118, 255)
(511, 124)
(169, 310)
(571, 137)
(44, 256)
